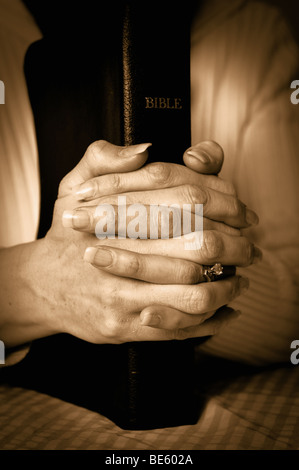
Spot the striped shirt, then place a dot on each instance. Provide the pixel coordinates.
(243, 60)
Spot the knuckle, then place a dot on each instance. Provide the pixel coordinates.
(115, 182)
(212, 246)
(176, 324)
(205, 299)
(169, 334)
(189, 273)
(197, 299)
(246, 252)
(208, 299)
(190, 192)
(97, 146)
(95, 149)
(180, 334)
(132, 264)
(176, 333)
(112, 297)
(226, 187)
(111, 329)
(195, 194)
(61, 186)
(159, 173)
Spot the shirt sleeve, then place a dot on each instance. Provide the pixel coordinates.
(242, 100)
(19, 169)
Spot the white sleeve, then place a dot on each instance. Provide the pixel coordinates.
(19, 169)
(248, 64)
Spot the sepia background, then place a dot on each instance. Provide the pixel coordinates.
(247, 382)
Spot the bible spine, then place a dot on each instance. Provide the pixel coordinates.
(158, 388)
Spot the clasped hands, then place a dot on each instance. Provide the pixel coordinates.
(146, 289)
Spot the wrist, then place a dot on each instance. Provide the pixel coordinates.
(24, 294)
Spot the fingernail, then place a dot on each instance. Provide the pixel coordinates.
(199, 154)
(89, 254)
(244, 284)
(98, 256)
(251, 217)
(85, 190)
(132, 150)
(257, 255)
(76, 219)
(150, 319)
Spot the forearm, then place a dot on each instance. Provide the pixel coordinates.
(24, 314)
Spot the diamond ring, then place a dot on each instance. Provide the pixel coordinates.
(211, 273)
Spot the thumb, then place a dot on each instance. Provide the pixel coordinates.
(205, 157)
(102, 157)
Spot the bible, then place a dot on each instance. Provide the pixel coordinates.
(159, 376)
(124, 78)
